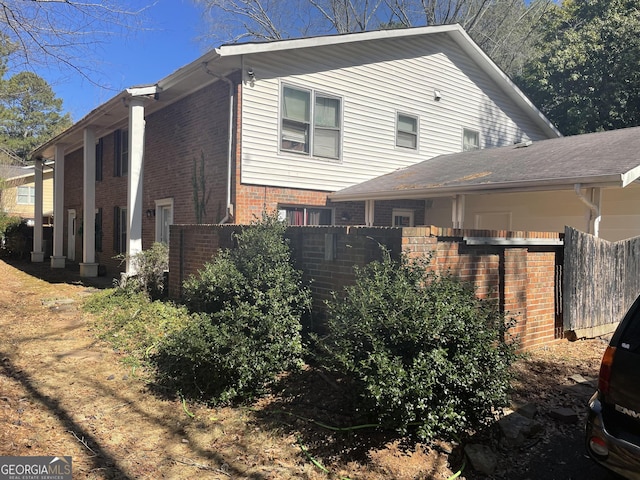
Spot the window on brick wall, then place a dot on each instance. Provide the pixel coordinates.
(98, 242)
(306, 215)
(120, 230)
(99, 152)
(311, 123)
(164, 219)
(121, 153)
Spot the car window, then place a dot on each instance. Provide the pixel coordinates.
(630, 338)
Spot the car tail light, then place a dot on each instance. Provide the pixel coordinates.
(598, 446)
(605, 369)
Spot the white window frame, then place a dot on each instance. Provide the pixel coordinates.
(30, 195)
(282, 213)
(402, 212)
(160, 205)
(414, 134)
(312, 127)
(476, 133)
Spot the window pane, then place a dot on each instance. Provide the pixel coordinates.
(327, 112)
(326, 143)
(295, 136)
(295, 104)
(407, 124)
(470, 140)
(407, 140)
(318, 216)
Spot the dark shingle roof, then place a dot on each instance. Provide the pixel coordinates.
(596, 159)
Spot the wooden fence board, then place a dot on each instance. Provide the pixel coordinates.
(601, 281)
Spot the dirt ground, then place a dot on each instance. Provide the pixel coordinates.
(62, 392)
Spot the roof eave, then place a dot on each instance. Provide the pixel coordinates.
(507, 187)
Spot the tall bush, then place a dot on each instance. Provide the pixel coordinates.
(251, 302)
(420, 349)
(150, 266)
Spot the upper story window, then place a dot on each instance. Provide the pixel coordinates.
(121, 153)
(310, 123)
(407, 131)
(470, 140)
(26, 195)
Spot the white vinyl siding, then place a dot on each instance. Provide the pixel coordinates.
(372, 93)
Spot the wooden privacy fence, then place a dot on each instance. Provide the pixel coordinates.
(601, 281)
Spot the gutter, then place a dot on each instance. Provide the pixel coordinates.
(480, 189)
(595, 209)
(229, 210)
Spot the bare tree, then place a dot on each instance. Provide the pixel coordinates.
(505, 29)
(61, 33)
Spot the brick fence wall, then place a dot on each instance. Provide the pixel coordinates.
(516, 269)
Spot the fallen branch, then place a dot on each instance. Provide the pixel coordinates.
(82, 441)
(201, 466)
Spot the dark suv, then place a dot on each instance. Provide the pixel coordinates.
(613, 423)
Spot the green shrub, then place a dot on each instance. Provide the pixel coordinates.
(420, 349)
(251, 301)
(150, 265)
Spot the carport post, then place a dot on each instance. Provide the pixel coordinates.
(37, 255)
(57, 259)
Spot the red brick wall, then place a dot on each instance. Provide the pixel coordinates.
(520, 278)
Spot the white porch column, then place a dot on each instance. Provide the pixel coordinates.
(57, 259)
(37, 255)
(369, 212)
(89, 267)
(457, 211)
(134, 191)
(595, 195)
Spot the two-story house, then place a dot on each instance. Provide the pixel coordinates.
(257, 127)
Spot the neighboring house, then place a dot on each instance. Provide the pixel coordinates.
(17, 193)
(258, 127)
(589, 182)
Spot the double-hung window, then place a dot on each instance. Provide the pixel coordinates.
(311, 123)
(26, 195)
(470, 140)
(120, 221)
(121, 153)
(407, 131)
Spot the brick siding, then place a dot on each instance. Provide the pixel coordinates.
(519, 278)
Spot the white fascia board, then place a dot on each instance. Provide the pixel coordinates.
(510, 187)
(325, 40)
(630, 176)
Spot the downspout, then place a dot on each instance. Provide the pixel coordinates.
(595, 210)
(229, 210)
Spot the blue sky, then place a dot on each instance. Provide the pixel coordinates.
(140, 57)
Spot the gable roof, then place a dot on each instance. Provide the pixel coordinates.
(227, 59)
(602, 159)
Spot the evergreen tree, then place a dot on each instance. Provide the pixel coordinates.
(30, 113)
(587, 78)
